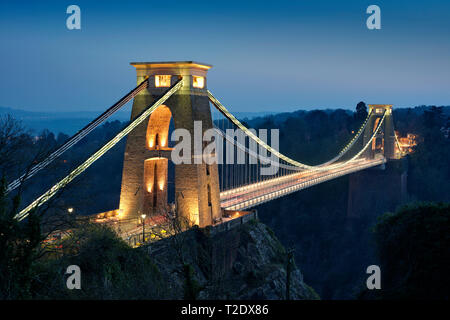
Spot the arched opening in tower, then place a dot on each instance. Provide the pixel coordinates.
(158, 129)
(378, 141)
(155, 182)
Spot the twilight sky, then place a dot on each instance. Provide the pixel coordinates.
(267, 56)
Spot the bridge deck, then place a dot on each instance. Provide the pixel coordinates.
(257, 193)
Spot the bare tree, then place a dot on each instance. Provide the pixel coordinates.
(22, 243)
(13, 138)
(173, 227)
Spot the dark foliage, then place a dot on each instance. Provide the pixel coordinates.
(110, 269)
(412, 245)
(361, 111)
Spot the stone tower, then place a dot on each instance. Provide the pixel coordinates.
(147, 153)
(384, 141)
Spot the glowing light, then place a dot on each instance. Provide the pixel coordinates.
(198, 82)
(162, 81)
(149, 188)
(70, 210)
(161, 185)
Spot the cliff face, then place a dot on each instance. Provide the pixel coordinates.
(246, 262)
(376, 191)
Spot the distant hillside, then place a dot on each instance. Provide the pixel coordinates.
(65, 122)
(70, 122)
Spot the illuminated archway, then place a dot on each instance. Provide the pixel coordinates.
(155, 185)
(158, 129)
(377, 142)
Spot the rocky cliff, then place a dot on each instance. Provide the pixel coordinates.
(246, 262)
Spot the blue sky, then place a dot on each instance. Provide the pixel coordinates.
(267, 56)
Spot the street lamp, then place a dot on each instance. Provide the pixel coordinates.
(143, 227)
(70, 210)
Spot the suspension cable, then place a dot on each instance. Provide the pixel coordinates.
(251, 152)
(335, 166)
(78, 136)
(228, 192)
(351, 143)
(295, 163)
(53, 190)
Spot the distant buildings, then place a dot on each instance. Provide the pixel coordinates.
(408, 143)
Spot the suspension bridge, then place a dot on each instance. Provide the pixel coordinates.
(176, 92)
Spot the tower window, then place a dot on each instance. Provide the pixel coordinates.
(198, 82)
(162, 81)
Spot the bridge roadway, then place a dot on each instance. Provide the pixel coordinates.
(257, 193)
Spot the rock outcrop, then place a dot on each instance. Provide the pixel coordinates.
(246, 262)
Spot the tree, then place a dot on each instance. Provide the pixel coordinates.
(111, 269)
(361, 111)
(21, 242)
(289, 267)
(176, 230)
(13, 140)
(412, 246)
(19, 248)
(433, 117)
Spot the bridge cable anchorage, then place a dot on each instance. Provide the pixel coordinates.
(78, 136)
(324, 166)
(99, 153)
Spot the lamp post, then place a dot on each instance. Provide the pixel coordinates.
(143, 227)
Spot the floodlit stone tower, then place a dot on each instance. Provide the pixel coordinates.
(384, 142)
(144, 178)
